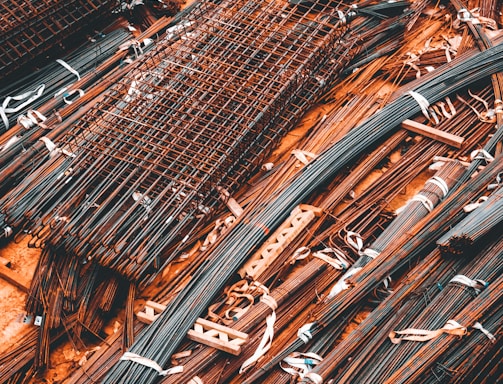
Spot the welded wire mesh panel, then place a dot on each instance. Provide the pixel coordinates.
(30, 28)
(146, 163)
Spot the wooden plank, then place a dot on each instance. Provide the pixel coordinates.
(217, 336)
(433, 133)
(206, 324)
(14, 278)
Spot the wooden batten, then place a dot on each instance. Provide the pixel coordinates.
(433, 133)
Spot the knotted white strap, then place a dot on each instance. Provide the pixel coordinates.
(338, 262)
(195, 380)
(412, 334)
(30, 97)
(300, 364)
(489, 335)
(267, 338)
(477, 284)
(473, 206)
(341, 285)
(481, 154)
(129, 356)
(304, 332)
(440, 183)
(355, 240)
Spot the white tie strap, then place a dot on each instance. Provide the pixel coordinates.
(130, 356)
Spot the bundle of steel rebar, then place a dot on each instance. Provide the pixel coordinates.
(396, 352)
(483, 220)
(30, 29)
(22, 150)
(51, 81)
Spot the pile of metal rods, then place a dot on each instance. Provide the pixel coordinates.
(448, 212)
(163, 192)
(265, 216)
(454, 296)
(30, 29)
(435, 189)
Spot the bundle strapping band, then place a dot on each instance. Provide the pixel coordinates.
(477, 284)
(452, 327)
(301, 363)
(341, 285)
(68, 67)
(372, 253)
(267, 338)
(130, 356)
(440, 183)
(481, 154)
(421, 100)
(314, 377)
(427, 203)
(489, 335)
(338, 262)
(304, 332)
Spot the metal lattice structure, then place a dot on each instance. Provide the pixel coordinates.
(197, 114)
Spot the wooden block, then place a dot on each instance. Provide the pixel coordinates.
(300, 217)
(217, 336)
(151, 312)
(14, 278)
(433, 133)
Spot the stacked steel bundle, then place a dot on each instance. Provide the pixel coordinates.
(30, 28)
(483, 220)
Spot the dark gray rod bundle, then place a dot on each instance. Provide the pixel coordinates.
(484, 219)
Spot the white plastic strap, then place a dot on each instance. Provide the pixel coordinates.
(427, 203)
(477, 285)
(129, 356)
(314, 377)
(300, 254)
(7, 231)
(421, 100)
(372, 253)
(68, 67)
(481, 154)
(267, 338)
(195, 380)
(31, 96)
(473, 206)
(32, 118)
(440, 183)
(304, 332)
(338, 263)
(489, 335)
(73, 91)
(452, 327)
(341, 285)
(300, 364)
(355, 240)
